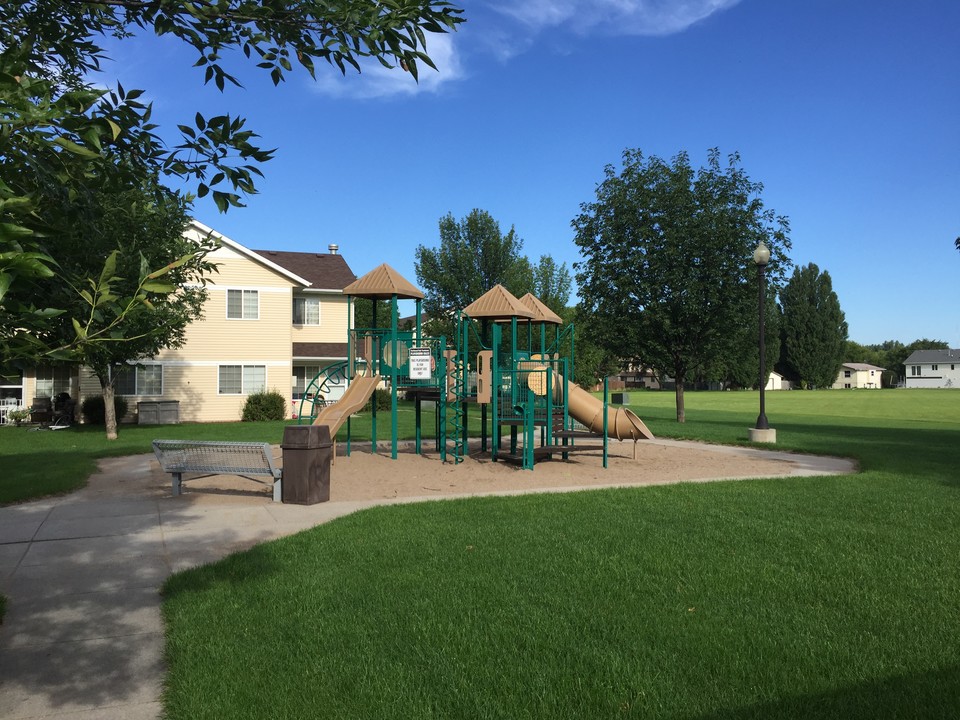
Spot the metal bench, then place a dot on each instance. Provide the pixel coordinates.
(217, 458)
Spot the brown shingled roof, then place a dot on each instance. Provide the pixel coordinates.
(497, 303)
(541, 313)
(382, 283)
(325, 271)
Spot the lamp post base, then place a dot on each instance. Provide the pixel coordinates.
(767, 435)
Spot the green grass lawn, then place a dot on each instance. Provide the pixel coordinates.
(832, 597)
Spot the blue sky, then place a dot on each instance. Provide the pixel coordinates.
(848, 113)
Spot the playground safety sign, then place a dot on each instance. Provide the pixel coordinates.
(421, 360)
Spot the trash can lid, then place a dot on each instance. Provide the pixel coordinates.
(306, 436)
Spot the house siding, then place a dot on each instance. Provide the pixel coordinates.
(333, 320)
(870, 378)
(191, 373)
(942, 377)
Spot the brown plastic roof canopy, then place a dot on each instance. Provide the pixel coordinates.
(497, 303)
(382, 283)
(541, 313)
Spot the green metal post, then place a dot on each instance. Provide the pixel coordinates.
(464, 329)
(419, 342)
(351, 361)
(484, 325)
(374, 370)
(606, 435)
(417, 421)
(528, 431)
(548, 425)
(495, 390)
(442, 410)
(394, 361)
(514, 397)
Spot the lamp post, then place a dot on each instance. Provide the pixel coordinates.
(762, 432)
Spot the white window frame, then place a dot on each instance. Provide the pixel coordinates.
(303, 301)
(244, 294)
(54, 376)
(139, 371)
(246, 387)
(309, 372)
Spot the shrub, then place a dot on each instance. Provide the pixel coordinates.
(265, 406)
(18, 415)
(383, 399)
(94, 410)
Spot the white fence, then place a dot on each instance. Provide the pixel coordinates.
(6, 405)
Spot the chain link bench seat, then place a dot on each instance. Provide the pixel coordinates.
(205, 458)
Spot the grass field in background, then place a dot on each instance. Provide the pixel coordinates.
(834, 597)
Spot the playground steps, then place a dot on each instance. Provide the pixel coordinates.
(572, 434)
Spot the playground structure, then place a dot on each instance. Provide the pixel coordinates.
(509, 356)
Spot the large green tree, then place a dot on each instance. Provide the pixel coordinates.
(473, 256)
(591, 362)
(667, 275)
(135, 229)
(741, 367)
(62, 138)
(550, 283)
(814, 330)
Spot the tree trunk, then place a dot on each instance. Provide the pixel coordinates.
(681, 414)
(109, 409)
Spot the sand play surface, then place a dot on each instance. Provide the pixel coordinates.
(367, 476)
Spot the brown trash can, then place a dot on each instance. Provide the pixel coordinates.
(307, 455)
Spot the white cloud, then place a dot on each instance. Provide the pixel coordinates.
(520, 22)
(376, 81)
(617, 17)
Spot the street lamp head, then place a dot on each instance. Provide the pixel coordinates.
(761, 256)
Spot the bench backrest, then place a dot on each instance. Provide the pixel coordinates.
(228, 458)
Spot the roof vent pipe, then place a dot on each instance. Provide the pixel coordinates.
(333, 249)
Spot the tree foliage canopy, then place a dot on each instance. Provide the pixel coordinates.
(65, 142)
(550, 283)
(473, 256)
(814, 329)
(667, 275)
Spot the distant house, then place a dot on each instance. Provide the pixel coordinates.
(933, 369)
(775, 381)
(858, 375)
(635, 376)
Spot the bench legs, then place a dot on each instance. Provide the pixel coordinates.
(177, 486)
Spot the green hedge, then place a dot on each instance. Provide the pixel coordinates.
(264, 406)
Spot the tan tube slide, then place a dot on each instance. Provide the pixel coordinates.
(354, 399)
(622, 424)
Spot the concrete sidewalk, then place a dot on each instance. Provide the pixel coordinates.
(83, 636)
